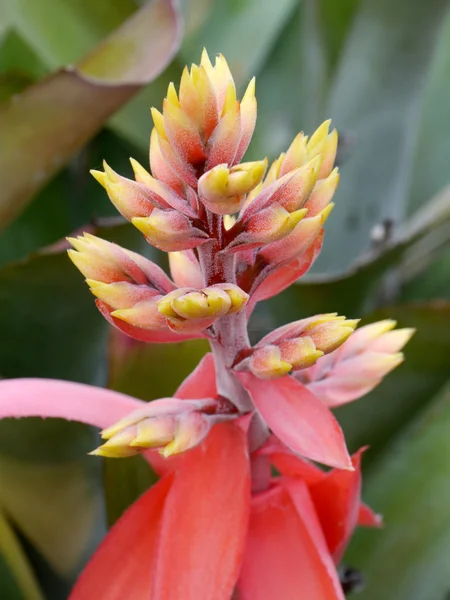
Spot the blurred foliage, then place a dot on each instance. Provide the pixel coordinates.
(381, 71)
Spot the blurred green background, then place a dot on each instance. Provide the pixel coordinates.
(381, 71)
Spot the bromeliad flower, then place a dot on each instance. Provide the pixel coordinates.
(218, 525)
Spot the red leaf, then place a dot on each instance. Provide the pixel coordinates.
(367, 518)
(286, 556)
(205, 520)
(299, 419)
(337, 499)
(122, 565)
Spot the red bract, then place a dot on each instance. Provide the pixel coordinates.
(218, 525)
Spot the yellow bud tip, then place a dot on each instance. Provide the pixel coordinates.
(315, 164)
(124, 314)
(110, 173)
(205, 61)
(229, 221)
(143, 224)
(168, 450)
(296, 216)
(172, 95)
(100, 176)
(250, 91)
(158, 121)
(325, 213)
(352, 323)
(164, 306)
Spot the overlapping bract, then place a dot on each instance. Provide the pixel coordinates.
(298, 345)
(171, 425)
(358, 365)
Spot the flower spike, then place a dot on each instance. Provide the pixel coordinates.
(236, 234)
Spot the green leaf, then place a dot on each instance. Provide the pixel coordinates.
(49, 486)
(376, 98)
(124, 481)
(149, 371)
(49, 122)
(359, 290)
(57, 506)
(133, 121)
(21, 583)
(378, 417)
(335, 20)
(8, 585)
(73, 199)
(410, 486)
(19, 65)
(430, 172)
(243, 31)
(293, 85)
(85, 24)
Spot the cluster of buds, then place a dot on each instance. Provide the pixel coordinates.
(297, 345)
(189, 309)
(359, 365)
(236, 233)
(172, 426)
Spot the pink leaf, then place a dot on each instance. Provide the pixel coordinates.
(65, 400)
(367, 518)
(286, 556)
(122, 565)
(299, 419)
(337, 499)
(201, 383)
(205, 520)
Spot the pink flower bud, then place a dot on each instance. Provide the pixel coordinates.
(224, 142)
(358, 365)
(290, 192)
(298, 345)
(181, 131)
(297, 242)
(185, 269)
(107, 262)
(161, 168)
(131, 199)
(248, 120)
(169, 230)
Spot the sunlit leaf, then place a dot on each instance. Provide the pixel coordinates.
(85, 24)
(49, 122)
